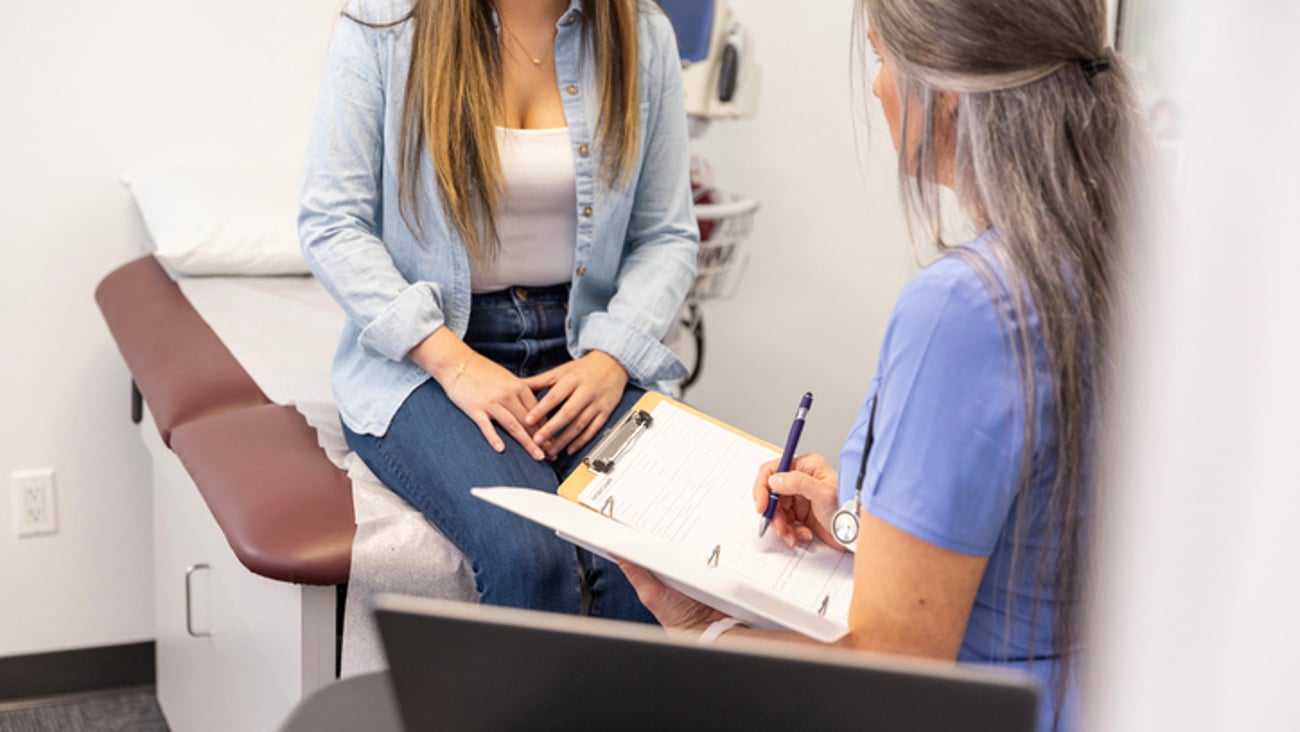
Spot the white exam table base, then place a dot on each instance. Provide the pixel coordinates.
(271, 643)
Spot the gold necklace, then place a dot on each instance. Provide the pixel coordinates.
(537, 60)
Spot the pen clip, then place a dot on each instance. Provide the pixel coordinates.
(826, 602)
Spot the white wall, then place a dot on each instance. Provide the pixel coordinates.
(830, 251)
(90, 89)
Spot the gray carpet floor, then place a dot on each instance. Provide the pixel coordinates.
(129, 711)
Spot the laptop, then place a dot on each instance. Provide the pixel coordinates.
(457, 666)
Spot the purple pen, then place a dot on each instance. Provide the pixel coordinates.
(787, 457)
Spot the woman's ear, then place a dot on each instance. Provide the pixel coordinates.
(947, 103)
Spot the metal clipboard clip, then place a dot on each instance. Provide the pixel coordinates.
(611, 447)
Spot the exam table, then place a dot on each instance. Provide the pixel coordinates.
(267, 532)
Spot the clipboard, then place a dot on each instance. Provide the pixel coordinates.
(618, 438)
(702, 540)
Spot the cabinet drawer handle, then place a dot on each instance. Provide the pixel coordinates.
(189, 618)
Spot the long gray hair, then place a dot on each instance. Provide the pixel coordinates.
(1046, 129)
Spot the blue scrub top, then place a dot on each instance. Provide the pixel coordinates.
(948, 439)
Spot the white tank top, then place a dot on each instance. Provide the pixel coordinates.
(538, 217)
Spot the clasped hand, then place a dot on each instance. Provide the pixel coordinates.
(580, 396)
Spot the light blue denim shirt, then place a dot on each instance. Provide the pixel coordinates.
(635, 250)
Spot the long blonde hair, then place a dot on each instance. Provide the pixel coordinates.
(453, 101)
(1047, 144)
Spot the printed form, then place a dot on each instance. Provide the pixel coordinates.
(690, 481)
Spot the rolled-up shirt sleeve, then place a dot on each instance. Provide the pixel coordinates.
(341, 203)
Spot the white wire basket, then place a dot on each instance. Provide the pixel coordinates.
(725, 224)
(724, 227)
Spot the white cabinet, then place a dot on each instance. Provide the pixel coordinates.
(236, 651)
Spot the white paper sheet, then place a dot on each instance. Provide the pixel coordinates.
(718, 587)
(690, 482)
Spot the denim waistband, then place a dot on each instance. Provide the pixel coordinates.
(558, 294)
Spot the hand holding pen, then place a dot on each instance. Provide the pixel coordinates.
(787, 456)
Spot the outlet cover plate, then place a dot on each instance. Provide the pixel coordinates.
(33, 502)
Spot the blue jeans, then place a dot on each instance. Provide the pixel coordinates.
(433, 454)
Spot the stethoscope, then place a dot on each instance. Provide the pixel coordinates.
(845, 523)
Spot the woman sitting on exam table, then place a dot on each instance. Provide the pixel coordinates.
(498, 195)
(975, 505)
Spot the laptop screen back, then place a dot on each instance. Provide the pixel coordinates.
(456, 666)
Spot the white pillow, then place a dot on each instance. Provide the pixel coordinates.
(220, 221)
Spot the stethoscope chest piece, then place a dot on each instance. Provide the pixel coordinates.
(845, 524)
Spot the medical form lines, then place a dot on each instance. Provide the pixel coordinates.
(668, 500)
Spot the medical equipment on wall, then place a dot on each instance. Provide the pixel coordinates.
(718, 71)
(721, 81)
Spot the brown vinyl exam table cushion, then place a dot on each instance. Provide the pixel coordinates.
(285, 509)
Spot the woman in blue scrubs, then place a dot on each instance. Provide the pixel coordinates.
(975, 444)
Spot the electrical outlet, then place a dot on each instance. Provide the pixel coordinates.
(33, 502)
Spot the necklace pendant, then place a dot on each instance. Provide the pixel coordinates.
(537, 62)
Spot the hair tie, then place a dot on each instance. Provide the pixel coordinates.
(1092, 68)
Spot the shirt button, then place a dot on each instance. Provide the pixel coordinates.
(572, 90)
(582, 270)
(521, 293)
(586, 211)
(569, 20)
(583, 150)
